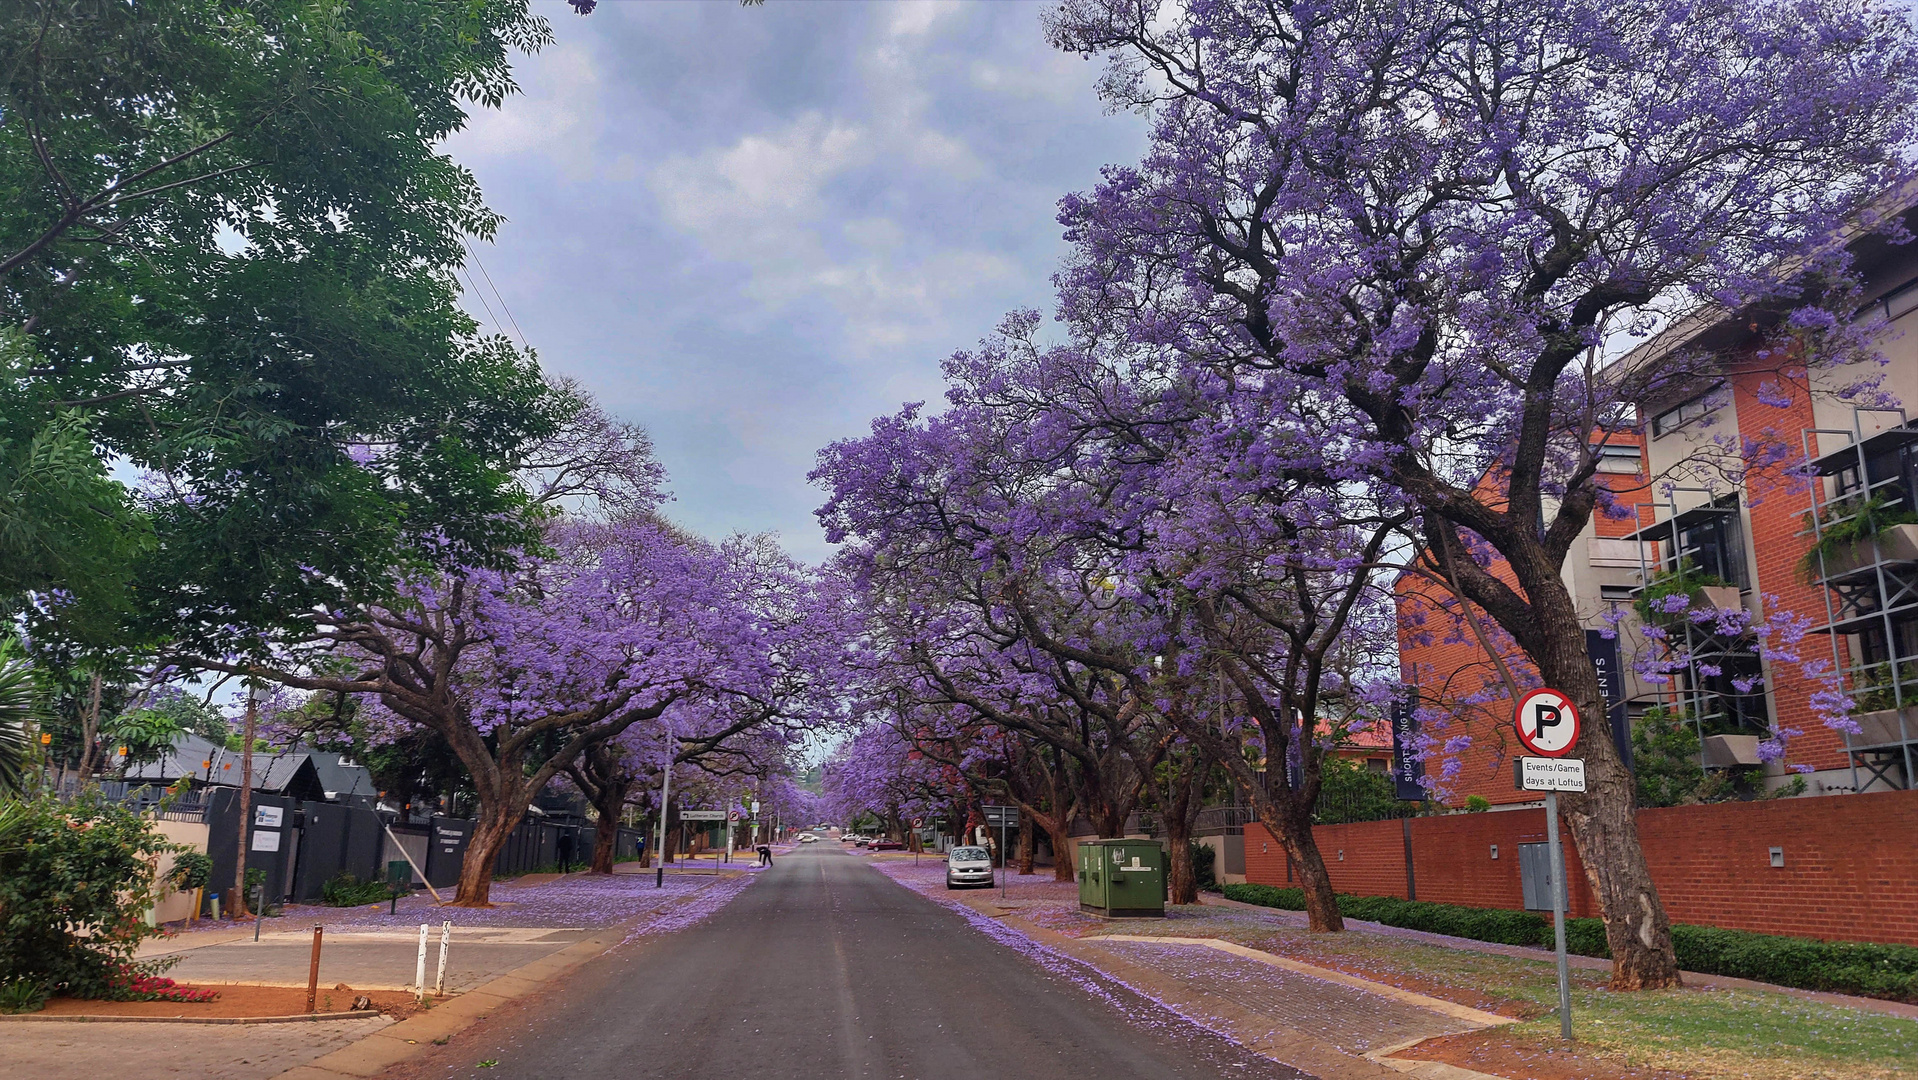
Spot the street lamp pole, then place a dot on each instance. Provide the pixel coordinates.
(659, 856)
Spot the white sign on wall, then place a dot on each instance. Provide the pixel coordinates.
(266, 840)
(269, 817)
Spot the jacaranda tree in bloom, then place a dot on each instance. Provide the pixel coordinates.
(982, 597)
(520, 672)
(1429, 219)
(1235, 562)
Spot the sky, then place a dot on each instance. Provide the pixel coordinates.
(754, 229)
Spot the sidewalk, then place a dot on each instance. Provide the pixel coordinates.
(540, 929)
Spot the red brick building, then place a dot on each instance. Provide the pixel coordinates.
(1717, 475)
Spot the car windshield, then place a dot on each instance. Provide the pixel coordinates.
(968, 854)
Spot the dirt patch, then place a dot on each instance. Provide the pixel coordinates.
(242, 1000)
(1500, 1054)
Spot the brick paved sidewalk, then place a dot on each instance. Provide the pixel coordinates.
(1356, 1021)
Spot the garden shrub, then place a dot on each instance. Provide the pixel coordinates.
(1202, 862)
(345, 890)
(74, 894)
(21, 996)
(192, 870)
(1844, 967)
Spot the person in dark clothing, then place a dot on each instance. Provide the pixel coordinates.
(765, 854)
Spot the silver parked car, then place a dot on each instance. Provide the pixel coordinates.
(967, 867)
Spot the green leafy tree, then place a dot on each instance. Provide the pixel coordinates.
(229, 246)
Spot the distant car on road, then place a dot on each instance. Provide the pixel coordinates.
(809, 839)
(883, 844)
(968, 868)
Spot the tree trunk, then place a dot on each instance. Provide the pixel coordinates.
(1061, 836)
(90, 733)
(497, 819)
(1182, 883)
(1294, 831)
(612, 800)
(239, 900)
(1604, 826)
(1026, 844)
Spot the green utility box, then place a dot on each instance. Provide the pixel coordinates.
(1122, 879)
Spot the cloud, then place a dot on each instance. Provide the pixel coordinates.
(754, 229)
(558, 116)
(758, 182)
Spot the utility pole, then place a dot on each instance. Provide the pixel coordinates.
(659, 857)
(238, 902)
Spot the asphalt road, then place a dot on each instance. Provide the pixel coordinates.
(825, 969)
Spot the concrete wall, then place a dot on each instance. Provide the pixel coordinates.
(174, 906)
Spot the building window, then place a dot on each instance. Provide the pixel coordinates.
(1619, 458)
(1714, 544)
(1685, 412)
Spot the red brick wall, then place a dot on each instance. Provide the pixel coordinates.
(1778, 503)
(1850, 873)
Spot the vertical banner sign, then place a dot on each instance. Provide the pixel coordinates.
(1611, 680)
(1407, 769)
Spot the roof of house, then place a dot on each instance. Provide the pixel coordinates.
(273, 770)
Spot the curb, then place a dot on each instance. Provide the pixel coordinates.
(297, 1018)
(416, 1035)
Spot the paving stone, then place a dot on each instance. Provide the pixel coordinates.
(1355, 1021)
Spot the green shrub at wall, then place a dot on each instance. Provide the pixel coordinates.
(346, 890)
(74, 892)
(1882, 971)
(1203, 859)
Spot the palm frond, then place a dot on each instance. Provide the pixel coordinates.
(20, 709)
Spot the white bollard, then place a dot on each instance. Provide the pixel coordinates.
(419, 972)
(446, 938)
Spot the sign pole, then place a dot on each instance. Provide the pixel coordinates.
(1547, 724)
(1557, 855)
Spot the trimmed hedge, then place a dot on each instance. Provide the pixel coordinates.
(1845, 967)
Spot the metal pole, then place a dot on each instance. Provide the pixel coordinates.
(313, 972)
(446, 939)
(419, 970)
(409, 861)
(659, 857)
(1557, 854)
(259, 902)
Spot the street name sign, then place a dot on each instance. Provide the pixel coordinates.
(1548, 774)
(1547, 723)
(702, 815)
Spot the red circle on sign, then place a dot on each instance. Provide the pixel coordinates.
(1544, 739)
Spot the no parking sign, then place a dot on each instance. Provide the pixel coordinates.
(1547, 723)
